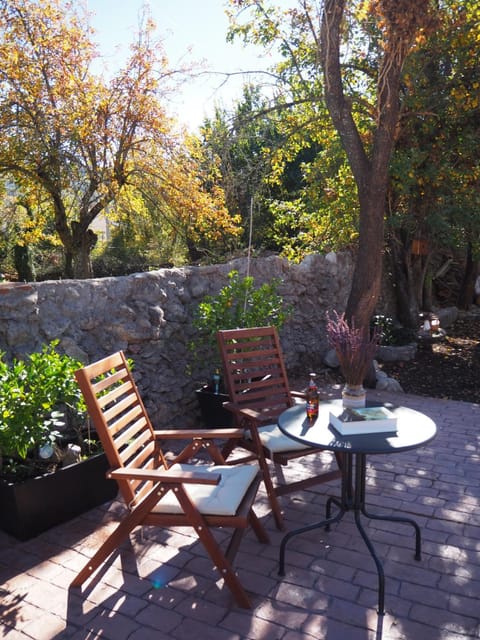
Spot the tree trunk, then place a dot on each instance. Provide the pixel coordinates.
(370, 173)
(406, 302)
(23, 259)
(419, 269)
(69, 264)
(193, 253)
(427, 290)
(367, 276)
(84, 242)
(369, 170)
(467, 289)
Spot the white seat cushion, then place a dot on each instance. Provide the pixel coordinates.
(275, 441)
(221, 499)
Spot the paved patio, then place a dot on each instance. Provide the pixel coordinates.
(162, 585)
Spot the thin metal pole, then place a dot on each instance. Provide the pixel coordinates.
(249, 252)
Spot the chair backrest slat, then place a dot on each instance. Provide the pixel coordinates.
(107, 394)
(254, 370)
(120, 419)
(134, 448)
(119, 416)
(123, 435)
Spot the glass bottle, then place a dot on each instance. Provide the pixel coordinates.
(216, 381)
(312, 398)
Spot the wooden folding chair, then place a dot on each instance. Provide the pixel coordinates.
(201, 496)
(257, 385)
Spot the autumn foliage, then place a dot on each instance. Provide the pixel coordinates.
(74, 142)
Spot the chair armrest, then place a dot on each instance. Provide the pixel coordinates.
(241, 411)
(188, 477)
(183, 434)
(246, 412)
(249, 418)
(230, 406)
(298, 394)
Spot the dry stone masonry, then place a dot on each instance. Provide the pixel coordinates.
(149, 316)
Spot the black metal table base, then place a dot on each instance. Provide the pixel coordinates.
(353, 499)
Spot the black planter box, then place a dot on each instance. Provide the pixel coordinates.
(28, 508)
(211, 409)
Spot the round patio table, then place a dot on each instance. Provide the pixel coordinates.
(414, 429)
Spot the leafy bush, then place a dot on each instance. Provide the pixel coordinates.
(384, 327)
(237, 305)
(389, 334)
(240, 305)
(36, 397)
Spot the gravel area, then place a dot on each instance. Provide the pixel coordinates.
(450, 370)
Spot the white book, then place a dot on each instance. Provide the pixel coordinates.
(364, 420)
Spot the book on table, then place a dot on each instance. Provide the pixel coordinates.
(364, 420)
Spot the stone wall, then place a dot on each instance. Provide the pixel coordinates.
(149, 316)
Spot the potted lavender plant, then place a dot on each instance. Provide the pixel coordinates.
(355, 351)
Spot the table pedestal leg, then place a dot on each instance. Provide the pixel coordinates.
(378, 516)
(344, 504)
(359, 506)
(353, 498)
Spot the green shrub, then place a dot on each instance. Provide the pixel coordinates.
(384, 327)
(35, 396)
(239, 305)
(391, 335)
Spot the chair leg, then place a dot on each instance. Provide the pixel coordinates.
(214, 551)
(262, 535)
(271, 493)
(340, 458)
(234, 544)
(223, 566)
(119, 534)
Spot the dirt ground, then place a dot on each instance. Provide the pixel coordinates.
(451, 369)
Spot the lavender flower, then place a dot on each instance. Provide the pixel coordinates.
(355, 349)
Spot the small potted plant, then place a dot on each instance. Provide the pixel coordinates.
(355, 351)
(239, 304)
(51, 465)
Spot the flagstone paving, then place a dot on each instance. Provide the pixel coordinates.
(161, 585)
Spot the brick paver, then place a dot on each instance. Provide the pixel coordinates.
(162, 585)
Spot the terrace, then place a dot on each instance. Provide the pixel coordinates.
(162, 585)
